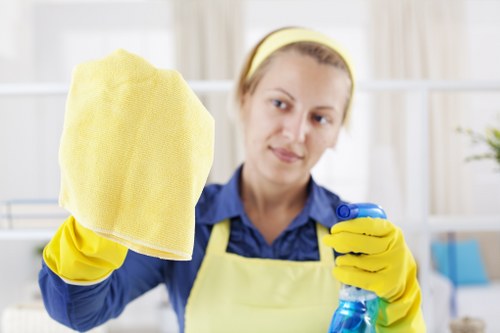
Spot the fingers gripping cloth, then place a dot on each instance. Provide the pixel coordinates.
(135, 153)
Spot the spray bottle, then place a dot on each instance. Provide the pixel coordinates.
(358, 308)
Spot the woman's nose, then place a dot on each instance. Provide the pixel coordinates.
(296, 127)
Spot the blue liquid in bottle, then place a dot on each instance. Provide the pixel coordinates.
(356, 313)
(358, 308)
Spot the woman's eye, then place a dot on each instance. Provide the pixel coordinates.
(320, 119)
(279, 104)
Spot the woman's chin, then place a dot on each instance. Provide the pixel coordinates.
(286, 175)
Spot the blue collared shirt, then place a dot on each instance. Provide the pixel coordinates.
(84, 307)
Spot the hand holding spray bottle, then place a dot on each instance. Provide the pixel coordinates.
(358, 308)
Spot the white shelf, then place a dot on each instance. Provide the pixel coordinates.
(26, 234)
(204, 86)
(437, 223)
(451, 223)
(61, 89)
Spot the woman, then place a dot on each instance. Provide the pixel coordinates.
(259, 264)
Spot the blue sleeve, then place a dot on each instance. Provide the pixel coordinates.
(85, 307)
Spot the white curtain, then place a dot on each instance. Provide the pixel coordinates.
(10, 23)
(208, 46)
(421, 39)
(16, 41)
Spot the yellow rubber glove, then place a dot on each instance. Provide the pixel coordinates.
(80, 256)
(382, 264)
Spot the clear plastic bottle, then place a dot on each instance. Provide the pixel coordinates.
(358, 308)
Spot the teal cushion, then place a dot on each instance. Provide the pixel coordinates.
(468, 263)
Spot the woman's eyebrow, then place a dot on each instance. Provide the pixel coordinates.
(284, 92)
(328, 107)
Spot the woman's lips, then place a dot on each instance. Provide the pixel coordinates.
(285, 155)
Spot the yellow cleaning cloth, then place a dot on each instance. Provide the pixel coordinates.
(135, 153)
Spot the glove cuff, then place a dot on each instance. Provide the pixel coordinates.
(80, 256)
(403, 314)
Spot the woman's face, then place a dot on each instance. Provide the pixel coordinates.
(294, 114)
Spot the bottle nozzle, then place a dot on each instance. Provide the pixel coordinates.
(352, 211)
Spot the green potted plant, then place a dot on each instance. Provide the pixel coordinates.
(491, 137)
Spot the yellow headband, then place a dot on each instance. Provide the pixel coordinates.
(288, 36)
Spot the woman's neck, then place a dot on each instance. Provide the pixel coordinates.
(270, 206)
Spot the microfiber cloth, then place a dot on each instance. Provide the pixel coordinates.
(135, 153)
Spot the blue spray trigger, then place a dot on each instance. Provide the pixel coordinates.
(351, 211)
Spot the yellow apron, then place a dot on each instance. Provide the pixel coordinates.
(236, 294)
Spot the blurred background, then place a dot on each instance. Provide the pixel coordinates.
(428, 99)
